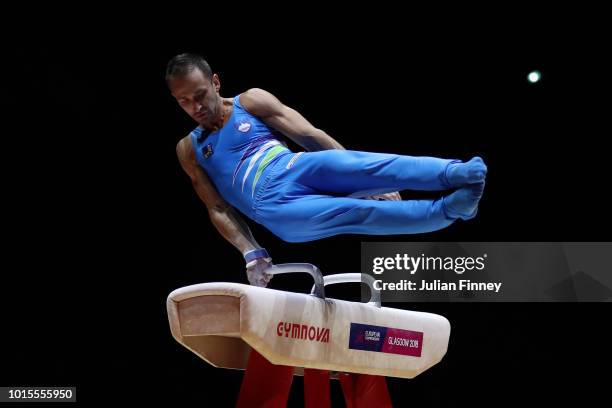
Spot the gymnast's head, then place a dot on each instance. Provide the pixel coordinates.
(195, 88)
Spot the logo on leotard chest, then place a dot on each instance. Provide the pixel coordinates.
(243, 126)
(208, 151)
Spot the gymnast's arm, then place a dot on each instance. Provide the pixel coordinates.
(287, 121)
(223, 216)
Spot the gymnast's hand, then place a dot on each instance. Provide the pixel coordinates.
(256, 271)
(394, 196)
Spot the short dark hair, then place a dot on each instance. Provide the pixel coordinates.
(183, 64)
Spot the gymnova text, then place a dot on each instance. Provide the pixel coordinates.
(437, 285)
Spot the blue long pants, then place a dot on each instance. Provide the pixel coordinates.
(315, 195)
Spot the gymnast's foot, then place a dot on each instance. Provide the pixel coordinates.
(459, 174)
(463, 203)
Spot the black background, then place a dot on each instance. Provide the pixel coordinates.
(101, 223)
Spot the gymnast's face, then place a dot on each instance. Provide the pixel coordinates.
(198, 96)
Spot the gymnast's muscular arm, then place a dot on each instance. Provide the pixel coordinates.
(286, 120)
(223, 216)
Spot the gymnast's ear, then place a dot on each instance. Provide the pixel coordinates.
(216, 82)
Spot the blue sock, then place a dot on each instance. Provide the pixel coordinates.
(463, 203)
(459, 174)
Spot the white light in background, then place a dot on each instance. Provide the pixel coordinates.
(534, 76)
